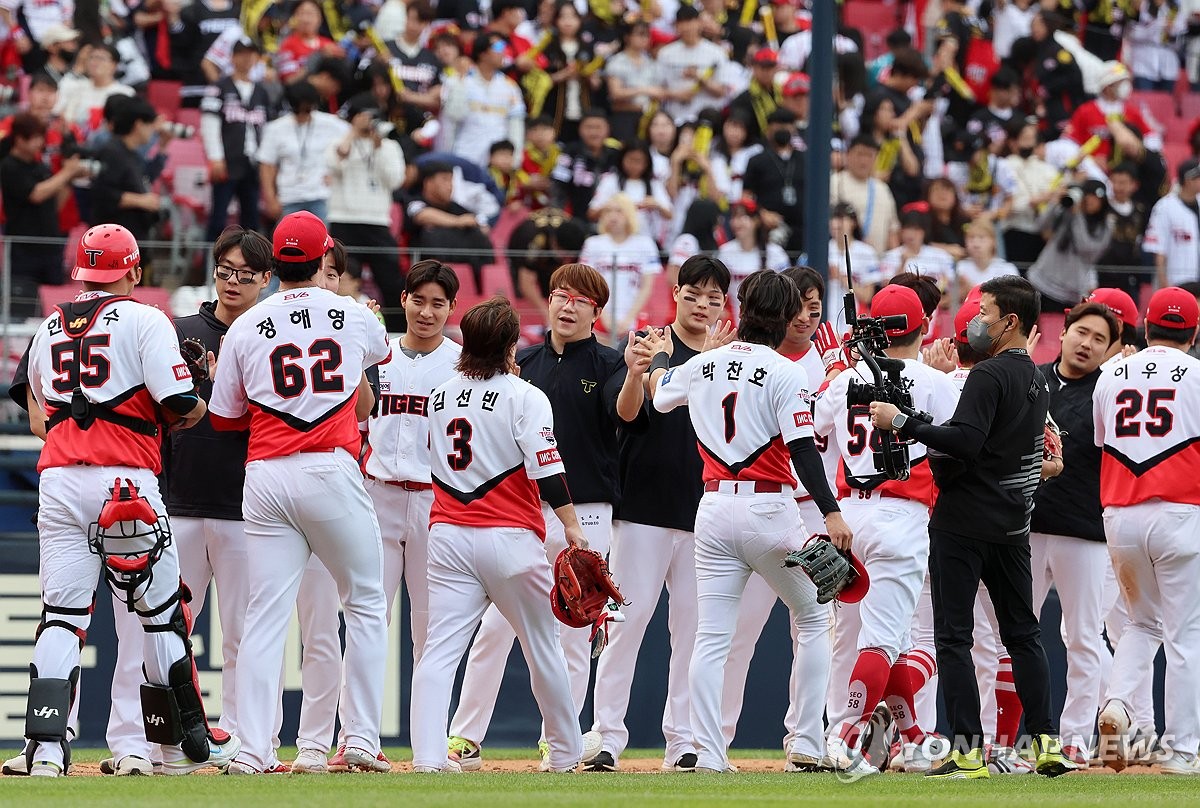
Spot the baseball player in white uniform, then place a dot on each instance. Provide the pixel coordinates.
(1147, 416)
(103, 367)
(890, 520)
(751, 408)
(493, 460)
(1173, 231)
(290, 370)
(759, 598)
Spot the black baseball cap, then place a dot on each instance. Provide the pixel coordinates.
(1189, 169)
(687, 12)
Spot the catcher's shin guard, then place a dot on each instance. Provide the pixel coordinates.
(47, 713)
(173, 713)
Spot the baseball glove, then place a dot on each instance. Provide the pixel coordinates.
(1053, 447)
(582, 592)
(195, 355)
(826, 565)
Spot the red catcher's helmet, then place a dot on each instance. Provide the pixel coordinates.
(105, 254)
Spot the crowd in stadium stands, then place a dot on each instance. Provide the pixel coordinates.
(971, 139)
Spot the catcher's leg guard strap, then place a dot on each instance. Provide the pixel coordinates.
(173, 713)
(48, 711)
(61, 617)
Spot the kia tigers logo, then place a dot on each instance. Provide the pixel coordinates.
(587, 385)
(46, 712)
(93, 256)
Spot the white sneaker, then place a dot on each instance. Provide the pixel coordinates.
(1005, 760)
(918, 757)
(797, 762)
(593, 743)
(45, 768)
(449, 767)
(236, 767)
(310, 761)
(840, 757)
(17, 766)
(362, 760)
(1179, 763)
(1114, 735)
(729, 769)
(132, 766)
(219, 755)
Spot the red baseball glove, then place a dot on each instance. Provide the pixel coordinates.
(581, 594)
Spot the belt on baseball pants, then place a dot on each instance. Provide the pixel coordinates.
(743, 487)
(407, 485)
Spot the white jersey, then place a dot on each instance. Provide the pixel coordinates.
(706, 58)
(1147, 414)
(127, 358)
(492, 111)
(743, 263)
(853, 437)
(1174, 232)
(815, 369)
(958, 377)
(293, 362)
(398, 432)
(746, 402)
(488, 442)
(971, 275)
(624, 266)
(932, 262)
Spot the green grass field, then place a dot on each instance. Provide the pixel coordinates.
(607, 790)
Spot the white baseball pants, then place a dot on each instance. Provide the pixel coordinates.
(1116, 618)
(1156, 558)
(644, 559)
(493, 642)
(924, 652)
(404, 524)
(296, 506)
(69, 500)
(215, 550)
(1075, 567)
(986, 653)
(126, 732)
(736, 535)
(891, 539)
(471, 569)
(757, 603)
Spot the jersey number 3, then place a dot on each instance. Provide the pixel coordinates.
(289, 379)
(460, 429)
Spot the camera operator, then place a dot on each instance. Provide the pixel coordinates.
(1077, 231)
(33, 196)
(120, 191)
(365, 167)
(987, 466)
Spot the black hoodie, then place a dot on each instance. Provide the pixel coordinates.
(204, 469)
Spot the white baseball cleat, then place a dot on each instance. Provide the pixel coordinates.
(310, 761)
(593, 743)
(449, 767)
(918, 757)
(45, 768)
(133, 766)
(729, 769)
(17, 766)
(362, 760)
(1181, 764)
(1114, 735)
(220, 755)
(236, 767)
(1005, 760)
(840, 757)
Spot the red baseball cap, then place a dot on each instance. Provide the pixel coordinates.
(748, 204)
(766, 56)
(896, 299)
(299, 237)
(1172, 307)
(1119, 302)
(966, 313)
(797, 84)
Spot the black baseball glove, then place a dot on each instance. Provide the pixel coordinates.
(828, 568)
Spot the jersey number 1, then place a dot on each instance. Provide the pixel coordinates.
(728, 405)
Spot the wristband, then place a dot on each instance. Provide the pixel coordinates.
(661, 361)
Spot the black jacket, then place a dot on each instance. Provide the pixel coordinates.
(582, 384)
(123, 171)
(1069, 504)
(204, 468)
(224, 101)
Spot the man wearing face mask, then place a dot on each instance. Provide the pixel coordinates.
(991, 453)
(1113, 118)
(775, 177)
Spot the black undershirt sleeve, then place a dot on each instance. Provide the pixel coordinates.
(553, 491)
(811, 471)
(181, 403)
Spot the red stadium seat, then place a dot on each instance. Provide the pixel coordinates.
(51, 296)
(1160, 106)
(875, 19)
(497, 280)
(1050, 324)
(164, 96)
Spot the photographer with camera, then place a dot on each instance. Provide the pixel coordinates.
(890, 520)
(987, 462)
(33, 196)
(1077, 230)
(121, 189)
(365, 167)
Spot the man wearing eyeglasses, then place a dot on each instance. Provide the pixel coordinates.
(205, 470)
(591, 396)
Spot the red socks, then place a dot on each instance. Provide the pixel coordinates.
(907, 678)
(868, 682)
(1008, 705)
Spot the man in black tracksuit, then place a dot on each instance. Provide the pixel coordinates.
(987, 465)
(1066, 541)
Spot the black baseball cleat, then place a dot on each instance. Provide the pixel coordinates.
(603, 762)
(685, 763)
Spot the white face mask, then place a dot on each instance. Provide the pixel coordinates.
(1123, 90)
